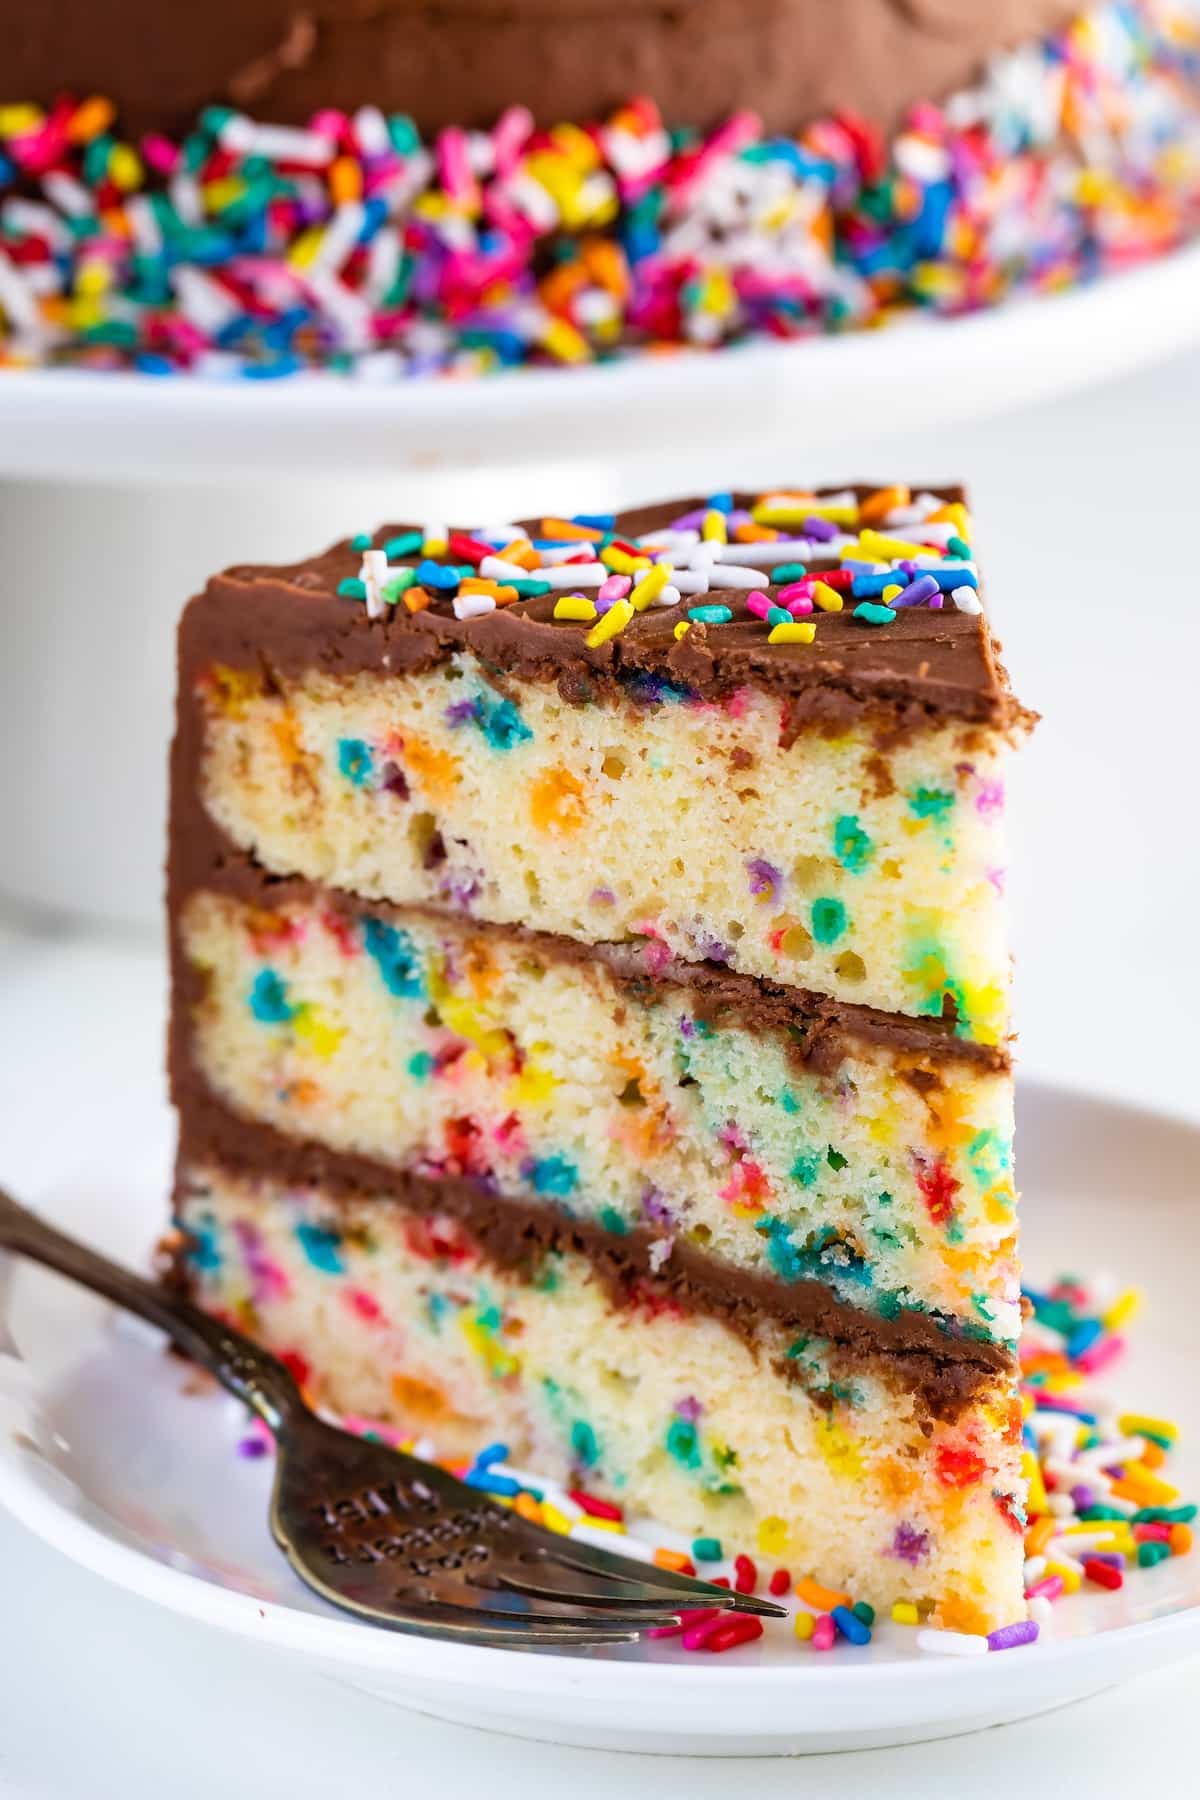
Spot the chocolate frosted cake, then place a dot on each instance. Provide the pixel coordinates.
(591, 1013)
(394, 190)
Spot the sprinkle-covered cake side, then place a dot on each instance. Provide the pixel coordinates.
(590, 1011)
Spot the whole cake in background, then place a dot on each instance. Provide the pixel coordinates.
(408, 189)
(591, 1013)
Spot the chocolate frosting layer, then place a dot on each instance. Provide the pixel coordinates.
(463, 61)
(925, 667)
(947, 1372)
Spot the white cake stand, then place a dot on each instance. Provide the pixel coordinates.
(118, 494)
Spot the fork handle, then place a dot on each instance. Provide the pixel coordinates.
(252, 1374)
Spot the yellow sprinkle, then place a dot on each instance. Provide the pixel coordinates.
(683, 627)
(1031, 1470)
(1134, 1424)
(595, 1524)
(827, 598)
(800, 631)
(304, 251)
(1070, 1577)
(1122, 1309)
(554, 1520)
(613, 621)
(650, 586)
(562, 340)
(953, 513)
(620, 561)
(876, 547)
(124, 168)
(93, 278)
(715, 529)
(905, 1613)
(794, 509)
(435, 546)
(889, 593)
(1144, 1488)
(773, 1536)
(575, 606)
(17, 120)
(803, 1625)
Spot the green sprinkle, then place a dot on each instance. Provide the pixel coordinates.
(392, 590)
(862, 1609)
(778, 615)
(1164, 1515)
(405, 545)
(958, 547)
(715, 615)
(352, 588)
(870, 614)
(1149, 1554)
(584, 1447)
(834, 1158)
(529, 590)
(785, 572)
(707, 1549)
(362, 540)
(828, 920)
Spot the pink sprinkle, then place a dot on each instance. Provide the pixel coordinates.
(795, 590)
(1050, 1587)
(696, 1636)
(615, 588)
(364, 1304)
(160, 153)
(688, 1621)
(824, 1635)
(508, 137)
(758, 604)
(454, 166)
(800, 608)
(1101, 1354)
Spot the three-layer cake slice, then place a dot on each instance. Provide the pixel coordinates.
(591, 1010)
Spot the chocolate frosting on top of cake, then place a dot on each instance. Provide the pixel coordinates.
(463, 61)
(925, 666)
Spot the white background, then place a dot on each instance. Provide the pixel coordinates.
(1087, 512)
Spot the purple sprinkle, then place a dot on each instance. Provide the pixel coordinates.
(909, 1544)
(689, 521)
(252, 1448)
(1083, 1496)
(917, 593)
(765, 879)
(603, 897)
(460, 711)
(1115, 1559)
(687, 1027)
(1008, 1637)
(394, 781)
(936, 601)
(819, 530)
(689, 1408)
(655, 1207)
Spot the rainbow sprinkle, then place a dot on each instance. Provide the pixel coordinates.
(257, 251)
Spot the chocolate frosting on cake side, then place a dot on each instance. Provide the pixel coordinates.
(463, 61)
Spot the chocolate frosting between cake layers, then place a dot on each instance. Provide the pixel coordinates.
(463, 61)
(946, 1372)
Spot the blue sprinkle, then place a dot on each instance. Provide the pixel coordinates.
(868, 587)
(436, 575)
(491, 1484)
(596, 521)
(268, 999)
(321, 1245)
(951, 575)
(492, 1453)
(1083, 1337)
(355, 761)
(850, 1626)
(553, 1175)
(395, 953)
(722, 503)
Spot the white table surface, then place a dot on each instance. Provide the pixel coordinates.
(101, 1694)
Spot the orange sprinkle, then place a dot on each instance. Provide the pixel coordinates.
(522, 551)
(1153, 1456)
(90, 118)
(1039, 1535)
(345, 180)
(672, 1559)
(878, 505)
(823, 1598)
(571, 534)
(1180, 1539)
(750, 533)
(416, 599)
(529, 1508)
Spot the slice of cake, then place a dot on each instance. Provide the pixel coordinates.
(591, 1011)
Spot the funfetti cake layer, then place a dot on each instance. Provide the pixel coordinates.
(590, 1011)
(770, 771)
(847, 1158)
(875, 1472)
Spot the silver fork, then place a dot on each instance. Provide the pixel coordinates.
(382, 1534)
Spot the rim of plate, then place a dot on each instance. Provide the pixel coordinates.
(351, 1642)
(1065, 340)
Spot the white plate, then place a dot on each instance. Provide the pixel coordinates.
(104, 1455)
(70, 425)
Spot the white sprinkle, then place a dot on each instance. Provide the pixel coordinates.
(425, 1450)
(184, 191)
(1063, 1558)
(691, 581)
(470, 606)
(16, 299)
(370, 128)
(659, 1253)
(373, 573)
(70, 196)
(667, 540)
(143, 220)
(340, 238)
(669, 596)
(347, 311)
(501, 534)
(1041, 1610)
(494, 568)
(966, 600)
(564, 552)
(437, 533)
(765, 555)
(1035, 1568)
(952, 1643)
(619, 1542)
(1080, 1543)
(1117, 1450)
(36, 219)
(383, 262)
(532, 199)
(575, 575)
(202, 300)
(280, 143)
(1061, 1505)
(735, 575)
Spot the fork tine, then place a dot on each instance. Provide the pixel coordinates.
(540, 1585)
(666, 1583)
(432, 1618)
